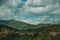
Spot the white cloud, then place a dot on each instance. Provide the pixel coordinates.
(13, 9)
(56, 12)
(42, 10)
(5, 13)
(13, 3)
(40, 2)
(34, 10)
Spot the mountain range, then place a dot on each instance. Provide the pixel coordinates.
(21, 25)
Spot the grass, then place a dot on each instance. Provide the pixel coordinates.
(49, 32)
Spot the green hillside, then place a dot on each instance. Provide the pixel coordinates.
(36, 32)
(23, 26)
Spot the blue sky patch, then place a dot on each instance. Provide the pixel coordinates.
(24, 0)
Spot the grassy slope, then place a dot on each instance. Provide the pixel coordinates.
(48, 32)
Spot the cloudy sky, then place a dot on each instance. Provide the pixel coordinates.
(31, 11)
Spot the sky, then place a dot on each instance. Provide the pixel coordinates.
(31, 11)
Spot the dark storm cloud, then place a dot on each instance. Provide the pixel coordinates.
(2, 2)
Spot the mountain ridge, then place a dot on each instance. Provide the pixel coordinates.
(22, 25)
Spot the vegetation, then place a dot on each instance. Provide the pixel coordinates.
(48, 32)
